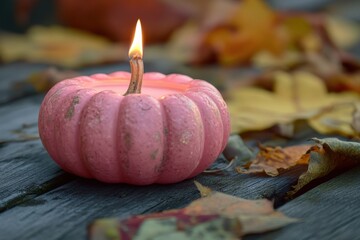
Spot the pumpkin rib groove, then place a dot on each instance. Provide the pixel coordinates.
(116, 139)
(184, 140)
(211, 121)
(203, 130)
(54, 133)
(98, 120)
(69, 150)
(225, 118)
(160, 169)
(166, 151)
(118, 144)
(78, 135)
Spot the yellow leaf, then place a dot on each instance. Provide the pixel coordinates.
(296, 96)
(343, 32)
(60, 46)
(288, 59)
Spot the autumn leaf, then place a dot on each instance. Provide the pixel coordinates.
(253, 32)
(300, 95)
(60, 46)
(343, 32)
(256, 216)
(44, 80)
(271, 159)
(243, 35)
(326, 156)
(214, 216)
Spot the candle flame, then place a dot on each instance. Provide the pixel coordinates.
(136, 49)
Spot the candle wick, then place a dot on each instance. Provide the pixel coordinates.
(137, 72)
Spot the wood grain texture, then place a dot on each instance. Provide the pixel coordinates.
(38, 200)
(15, 115)
(65, 212)
(10, 75)
(329, 211)
(26, 168)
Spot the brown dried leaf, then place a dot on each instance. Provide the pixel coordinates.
(327, 156)
(271, 159)
(214, 216)
(230, 206)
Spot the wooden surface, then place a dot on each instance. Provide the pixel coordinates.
(40, 201)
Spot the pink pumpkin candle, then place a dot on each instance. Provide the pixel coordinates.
(164, 129)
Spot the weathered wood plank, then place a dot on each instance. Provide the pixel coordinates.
(14, 115)
(329, 211)
(27, 172)
(26, 169)
(39, 201)
(10, 74)
(65, 212)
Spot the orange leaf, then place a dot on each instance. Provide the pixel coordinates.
(253, 27)
(271, 159)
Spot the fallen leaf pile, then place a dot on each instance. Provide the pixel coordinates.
(252, 32)
(326, 156)
(243, 34)
(298, 95)
(60, 46)
(214, 216)
(299, 57)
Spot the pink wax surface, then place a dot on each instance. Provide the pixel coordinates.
(172, 131)
(154, 84)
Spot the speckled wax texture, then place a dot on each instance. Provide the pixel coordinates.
(138, 138)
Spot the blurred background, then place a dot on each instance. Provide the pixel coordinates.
(234, 44)
(194, 32)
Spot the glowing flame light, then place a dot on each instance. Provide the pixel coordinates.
(136, 49)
